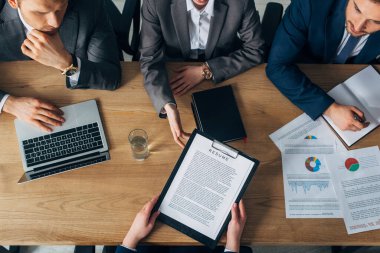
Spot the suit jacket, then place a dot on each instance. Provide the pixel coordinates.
(311, 32)
(165, 37)
(85, 32)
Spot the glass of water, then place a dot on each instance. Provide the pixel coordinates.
(138, 139)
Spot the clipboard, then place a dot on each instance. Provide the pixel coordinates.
(228, 151)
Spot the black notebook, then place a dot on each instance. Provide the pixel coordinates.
(216, 113)
(207, 179)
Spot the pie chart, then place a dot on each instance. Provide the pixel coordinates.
(352, 164)
(312, 164)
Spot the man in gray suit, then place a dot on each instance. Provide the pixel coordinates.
(224, 35)
(74, 37)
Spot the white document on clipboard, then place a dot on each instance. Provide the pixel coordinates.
(206, 183)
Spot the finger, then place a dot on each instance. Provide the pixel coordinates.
(51, 114)
(175, 79)
(41, 126)
(180, 88)
(358, 124)
(153, 218)
(185, 135)
(26, 51)
(33, 39)
(243, 214)
(47, 120)
(39, 35)
(353, 128)
(179, 142)
(178, 85)
(30, 45)
(50, 107)
(181, 69)
(150, 205)
(234, 212)
(358, 112)
(184, 91)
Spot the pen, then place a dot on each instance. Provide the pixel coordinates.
(357, 118)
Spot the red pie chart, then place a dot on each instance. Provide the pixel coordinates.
(352, 164)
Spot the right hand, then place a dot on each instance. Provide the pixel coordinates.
(175, 125)
(34, 111)
(343, 117)
(142, 224)
(236, 226)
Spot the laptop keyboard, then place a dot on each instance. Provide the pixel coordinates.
(62, 144)
(68, 167)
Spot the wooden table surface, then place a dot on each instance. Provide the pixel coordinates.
(96, 205)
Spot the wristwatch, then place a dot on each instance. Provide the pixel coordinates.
(72, 69)
(206, 72)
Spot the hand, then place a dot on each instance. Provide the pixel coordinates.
(175, 125)
(142, 225)
(236, 226)
(34, 111)
(343, 117)
(47, 50)
(185, 79)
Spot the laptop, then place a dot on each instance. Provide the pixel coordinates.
(78, 143)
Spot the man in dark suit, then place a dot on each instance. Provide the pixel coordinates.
(144, 223)
(329, 31)
(224, 35)
(74, 37)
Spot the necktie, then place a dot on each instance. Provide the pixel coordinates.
(345, 53)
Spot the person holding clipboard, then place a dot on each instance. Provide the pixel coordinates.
(144, 222)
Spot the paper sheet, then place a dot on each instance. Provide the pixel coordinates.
(309, 192)
(303, 127)
(356, 177)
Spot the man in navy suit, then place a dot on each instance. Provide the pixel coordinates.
(328, 31)
(144, 223)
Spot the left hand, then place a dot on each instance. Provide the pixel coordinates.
(47, 50)
(185, 79)
(142, 225)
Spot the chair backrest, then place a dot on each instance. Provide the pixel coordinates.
(122, 23)
(271, 19)
(2, 2)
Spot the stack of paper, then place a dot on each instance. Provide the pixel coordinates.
(324, 180)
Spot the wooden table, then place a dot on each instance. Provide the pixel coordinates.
(96, 205)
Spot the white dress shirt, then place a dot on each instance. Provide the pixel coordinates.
(199, 25)
(73, 79)
(358, 47)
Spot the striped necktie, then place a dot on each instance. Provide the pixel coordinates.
(346, 51)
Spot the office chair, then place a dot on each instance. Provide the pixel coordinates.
(271, 19)
(122, 23)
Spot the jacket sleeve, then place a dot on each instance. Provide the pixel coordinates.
(101, 70)
(152, 58)
(251, 52)
(290, 39)
(121, 249)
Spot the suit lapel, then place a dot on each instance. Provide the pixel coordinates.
(12, 35)
(179, 16)
(216, 26)
(69, 30)
(370, 50)
(334, 29)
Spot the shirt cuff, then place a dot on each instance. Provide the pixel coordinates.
(227, 250)
(134, 250)
(163, 108)
(2, 102)
(74, 78)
